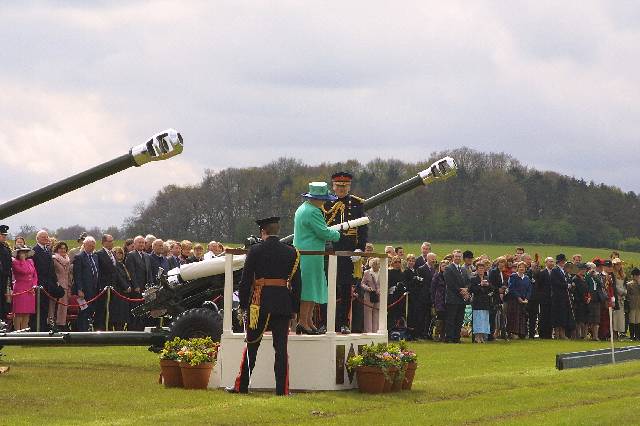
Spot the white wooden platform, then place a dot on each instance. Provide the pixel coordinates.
(315, 362)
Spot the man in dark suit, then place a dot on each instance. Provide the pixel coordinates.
(425, 248)
(456, 293)
(157, 260)
(139, 266)
(5, 272)
(173, 259)
(107, 277)
(539, 305)
(426, 272)
(560, 302)
(47, 279)
(270, 289)
(85, 281)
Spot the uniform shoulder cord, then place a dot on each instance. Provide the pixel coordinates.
(295, 266)
(334, 210)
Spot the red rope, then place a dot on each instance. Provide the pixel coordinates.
(388, 306)
(125, 298)
(73, 305)
(217, 298)
(31, 290)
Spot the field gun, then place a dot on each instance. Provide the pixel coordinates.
(188, 296)
(192, 288)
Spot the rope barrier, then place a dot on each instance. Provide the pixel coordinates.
(73, 305)
(30, 290)
(217, 298)
(404, 296)
(125, 298)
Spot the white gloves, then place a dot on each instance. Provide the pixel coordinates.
(354, 259)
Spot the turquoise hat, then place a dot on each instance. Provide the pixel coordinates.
(319, 191)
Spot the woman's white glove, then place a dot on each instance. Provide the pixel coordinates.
(354, 259)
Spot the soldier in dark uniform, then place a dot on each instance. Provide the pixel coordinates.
(346, 207)
(5, 272)
(270, 295)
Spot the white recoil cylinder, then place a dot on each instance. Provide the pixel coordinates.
(215, 266)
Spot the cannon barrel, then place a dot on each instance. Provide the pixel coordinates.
(161, 146)
(439, 171)
(99, 338)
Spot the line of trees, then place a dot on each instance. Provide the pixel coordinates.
(494, 198)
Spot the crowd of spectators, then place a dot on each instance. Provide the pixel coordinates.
(72, 280)
(512, 296)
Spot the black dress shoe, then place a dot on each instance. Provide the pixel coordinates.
(231, 389)
(301, 330)
(345, 330)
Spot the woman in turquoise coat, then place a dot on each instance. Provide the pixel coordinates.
(310, 232)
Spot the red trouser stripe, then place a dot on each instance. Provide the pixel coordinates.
(239, 376)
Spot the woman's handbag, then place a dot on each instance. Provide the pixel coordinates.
(56, 291)
(374, 297)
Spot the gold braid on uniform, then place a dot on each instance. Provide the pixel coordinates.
(338, 207)
(254, 308)
(266, 324)
(295, 266)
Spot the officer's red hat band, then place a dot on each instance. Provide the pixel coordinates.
(341, 179)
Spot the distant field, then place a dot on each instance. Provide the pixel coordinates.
(493, 250)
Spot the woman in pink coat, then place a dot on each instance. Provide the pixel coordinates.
(24, 278)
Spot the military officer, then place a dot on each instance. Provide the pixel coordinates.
(346, 207)
(270, 295)
(5, 272)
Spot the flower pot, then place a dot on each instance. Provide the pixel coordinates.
(389, 379)
(170, 372)
(398, 380)
(196, 376)
(370, 379)
(409, 374)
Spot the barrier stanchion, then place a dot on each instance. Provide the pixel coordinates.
(106, 315)
(38, 309)
(613, 352)
(406, 308)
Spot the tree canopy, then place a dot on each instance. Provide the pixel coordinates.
(494, 198)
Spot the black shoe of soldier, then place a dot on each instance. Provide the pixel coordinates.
(322, 330)
(345, 330)
(231, 389)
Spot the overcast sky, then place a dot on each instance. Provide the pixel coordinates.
(555, 84)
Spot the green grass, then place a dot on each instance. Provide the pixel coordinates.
(513, 383)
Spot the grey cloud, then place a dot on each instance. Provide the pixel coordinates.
(550, 83)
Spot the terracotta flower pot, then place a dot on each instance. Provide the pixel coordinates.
(370, 379)
(171, 375)
(392, 373)
(398, 380)
(196, 376)
(409, 374)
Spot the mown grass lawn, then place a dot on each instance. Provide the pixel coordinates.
(514, 383)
